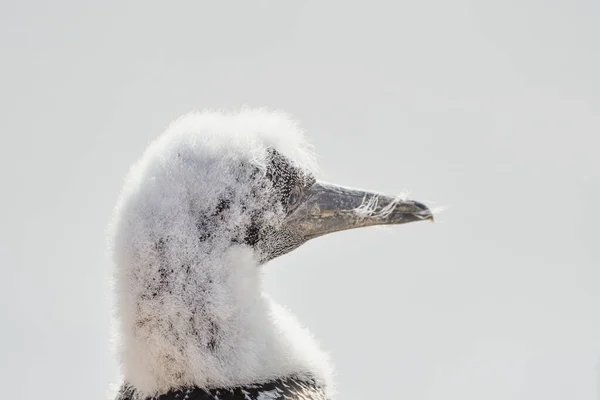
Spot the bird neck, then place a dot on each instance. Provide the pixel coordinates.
(209, 325)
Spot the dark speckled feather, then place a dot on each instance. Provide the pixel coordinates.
(280, 389)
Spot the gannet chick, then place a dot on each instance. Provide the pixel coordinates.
(210, 201)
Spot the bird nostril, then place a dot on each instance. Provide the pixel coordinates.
(315, 210)
(422, 206)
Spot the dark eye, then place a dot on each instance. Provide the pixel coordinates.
(294, 196)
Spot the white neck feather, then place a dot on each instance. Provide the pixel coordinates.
(236, 335)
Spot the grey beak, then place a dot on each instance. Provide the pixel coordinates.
(325, 208)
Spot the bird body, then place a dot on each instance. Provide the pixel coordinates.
(209, 202)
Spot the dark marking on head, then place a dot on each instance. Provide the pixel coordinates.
(223, 205)
(204, 231)
(213, 335)
(283, 175)
(284, 178)
(159, 284)
(253, 230)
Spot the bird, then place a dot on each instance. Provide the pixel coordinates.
(210, 201)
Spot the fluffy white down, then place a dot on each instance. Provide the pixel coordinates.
(191, 311)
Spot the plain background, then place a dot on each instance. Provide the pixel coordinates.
(489, 108)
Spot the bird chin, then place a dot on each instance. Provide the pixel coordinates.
(269, 252)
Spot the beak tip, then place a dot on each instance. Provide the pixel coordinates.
(424, 212)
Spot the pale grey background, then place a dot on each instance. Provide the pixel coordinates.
(490, 108)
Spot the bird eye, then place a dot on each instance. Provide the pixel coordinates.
(294, 196)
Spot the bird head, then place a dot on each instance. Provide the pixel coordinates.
(216, 181)
(209, 201)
